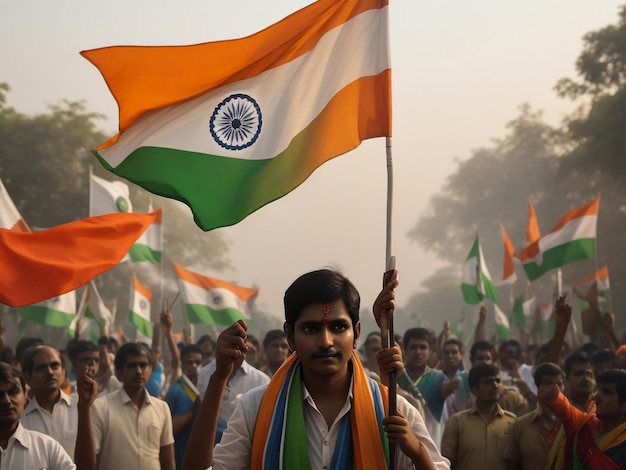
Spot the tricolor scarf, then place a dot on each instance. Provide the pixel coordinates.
(280, 438)
(590, 453)
(188, 387)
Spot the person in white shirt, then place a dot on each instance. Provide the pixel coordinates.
(50, 411)
(21, 447)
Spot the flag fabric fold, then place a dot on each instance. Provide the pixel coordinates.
(97, 310)
(227, 127)
(213, 301)
(58, 311)
(43, 265)
(139, 311)
(10, 217)
(108, 197)
(476, 283)
(572, 239)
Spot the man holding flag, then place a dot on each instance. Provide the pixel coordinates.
(340, 422)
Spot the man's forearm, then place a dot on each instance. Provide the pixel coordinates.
(199, 452)
(85, 453)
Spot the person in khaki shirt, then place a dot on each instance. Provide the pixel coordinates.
(475, 438)
(534, 433)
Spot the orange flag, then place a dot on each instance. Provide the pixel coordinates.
(41, 265)
(508, 270)
(532, 232)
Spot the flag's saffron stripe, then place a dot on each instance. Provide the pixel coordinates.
(508, 269)
(561, 255)
(198, 313)
(532, 231)
(143, 324)
(139, 287)
(243, 186)
(197, 286)
(47, 316)
(141, 78)
(51, 262)
(289, 98)
(601, 274)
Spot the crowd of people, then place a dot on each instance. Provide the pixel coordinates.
(315, 395)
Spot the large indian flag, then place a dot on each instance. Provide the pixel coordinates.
(10, 217)
(476, 283)
(227, 127)
(572, 239)
(58, 311)
(139, 311)
(45, 264)
(213, 301)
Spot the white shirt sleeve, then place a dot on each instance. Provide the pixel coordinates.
(419, 428)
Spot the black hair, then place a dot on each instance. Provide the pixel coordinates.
(272, 335)
(577, 357)
(479, 371)
(480, 345)
(547, 369)
(78, 346)
(602, 356)
(206, 339)
(190, 349)
(132, 349)
(454, 341)
(322, 286)
(416, 333)
(510, 342)
(8, 373)
(616, 377)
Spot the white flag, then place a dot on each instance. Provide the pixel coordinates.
(106, 197)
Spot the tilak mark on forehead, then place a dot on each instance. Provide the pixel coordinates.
(325, 312)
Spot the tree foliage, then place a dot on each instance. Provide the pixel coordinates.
(556, 168)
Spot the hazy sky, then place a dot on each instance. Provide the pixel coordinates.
(460, 71)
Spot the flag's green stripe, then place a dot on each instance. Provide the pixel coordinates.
(140, 252)
(562, 255)
(548, 327)
(222, 191)
(47, 316)
(198, 313)
(490, 288)
(470, 294)
(141, 323)
(519, 319)
(99, 320)
(502, 331)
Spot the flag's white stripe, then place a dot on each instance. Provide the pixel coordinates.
(136, 305)
(289, 96)
(501, 318)
(193, 294)
(9, 215)
(469, 271)
(577, 229)
(151, 237)
(65, 303)
(103, 195)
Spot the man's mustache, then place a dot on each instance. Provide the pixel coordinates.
(325, 353)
